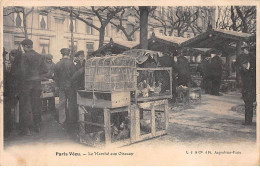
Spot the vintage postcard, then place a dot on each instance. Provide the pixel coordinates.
(129, 83)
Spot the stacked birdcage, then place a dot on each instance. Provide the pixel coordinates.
(110, 73)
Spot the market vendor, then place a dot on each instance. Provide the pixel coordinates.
(63, 73)
(216, 72)
(33, 72)
(49, 103)
(247, 67)
(183, 70)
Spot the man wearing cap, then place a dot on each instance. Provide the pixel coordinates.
(63, 72)
(216, 72)
(33, 71)
(247, 67)
(80, 59)
(49, 103)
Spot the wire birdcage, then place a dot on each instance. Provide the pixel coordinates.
(110, 73)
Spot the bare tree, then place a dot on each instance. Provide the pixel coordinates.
(84, 14)
(121, 20)
(179, 19)
(17, 9)
(237, 18)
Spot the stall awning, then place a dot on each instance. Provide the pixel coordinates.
(162, 43)
(218, 39)
(116, 47)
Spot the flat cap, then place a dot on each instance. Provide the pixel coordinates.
(27, 42)
(81, 52)
(15, 52)
(65, 51)
(48, 56)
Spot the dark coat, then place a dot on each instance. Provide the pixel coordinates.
(248, 78)
(216, 66)
(50, 68)
(183, 70)
(33, 66)
(63, 73)
(78, 79)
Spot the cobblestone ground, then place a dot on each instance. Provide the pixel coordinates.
(218, 119)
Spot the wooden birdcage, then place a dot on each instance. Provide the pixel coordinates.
(110, 73)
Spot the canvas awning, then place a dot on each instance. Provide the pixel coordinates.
(164, 43)
(219, 39)
(115, 47)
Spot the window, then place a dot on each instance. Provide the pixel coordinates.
(43, 21)
(18, 19)
(161, 32)
(107, 30)
(17, 41)
(73, 25)
(161, 12)
(44, 46)
(75, 47)
(169, 12)
(89, 28)
(90, 48)
(129, 29)
(114, 30)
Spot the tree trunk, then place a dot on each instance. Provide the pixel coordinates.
(234, 26)
(144, 11)
(101, 36)
(72, 37)
(25, 25)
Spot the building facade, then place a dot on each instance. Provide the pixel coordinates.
(50, 31)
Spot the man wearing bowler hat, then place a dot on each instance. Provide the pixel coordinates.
(247, 67)
(33, 71)
(63, 73)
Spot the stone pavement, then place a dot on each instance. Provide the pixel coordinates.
(217, 119)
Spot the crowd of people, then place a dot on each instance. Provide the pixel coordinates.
(25, 69)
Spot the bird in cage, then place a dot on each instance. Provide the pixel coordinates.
(140, 86)
(158, 89)
(145, 90)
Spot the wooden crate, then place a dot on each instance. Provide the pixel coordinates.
(152, 108)
(100, 99)
(96, 123)
(48, 89)
(99, 133)
(187, 96)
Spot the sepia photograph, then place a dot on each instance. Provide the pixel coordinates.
(148, 85)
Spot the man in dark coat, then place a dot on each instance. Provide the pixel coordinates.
(49, 103)
(183, 70)
(206, 73)
(79, 79)
(63, 73)
(216, 72)
(11, 88)
(247, 67)
(33, 71)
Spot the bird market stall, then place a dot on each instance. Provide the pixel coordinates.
(121, 104)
